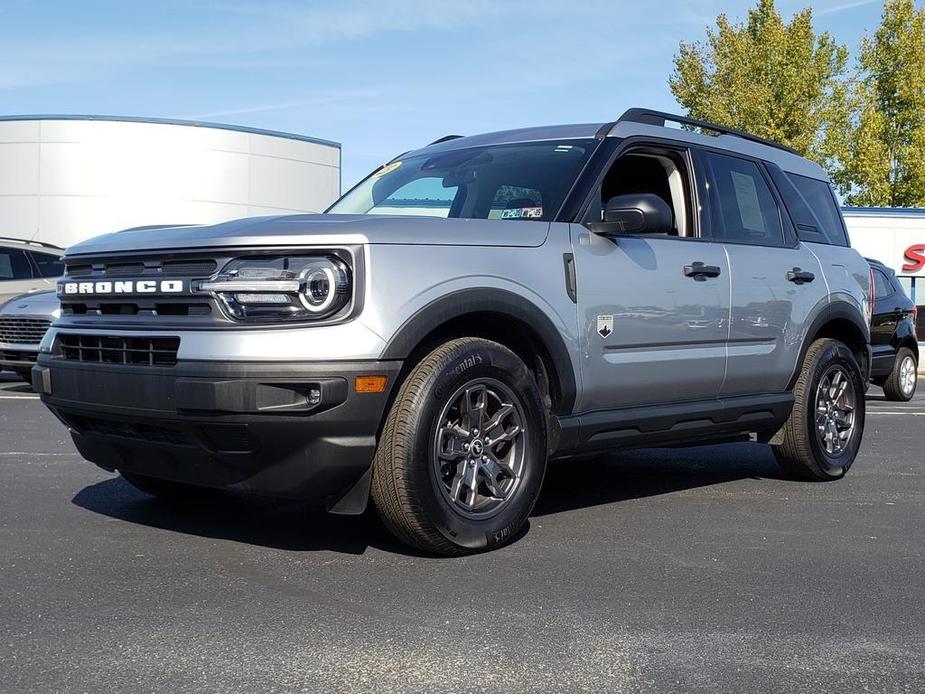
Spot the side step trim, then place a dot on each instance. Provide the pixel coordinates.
(657, 425)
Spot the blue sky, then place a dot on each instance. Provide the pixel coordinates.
(379, 77)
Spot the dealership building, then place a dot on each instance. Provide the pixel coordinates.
(67, 178)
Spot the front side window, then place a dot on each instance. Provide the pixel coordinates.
(14, 265)
(510, 182)
(745, 210)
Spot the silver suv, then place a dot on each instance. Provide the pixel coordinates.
(466, 313)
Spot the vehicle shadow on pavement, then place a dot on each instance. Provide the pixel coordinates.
(271, 523)
(624, 475)
(294, 526)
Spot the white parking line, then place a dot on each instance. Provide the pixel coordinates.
(914, 414)
(19, 397)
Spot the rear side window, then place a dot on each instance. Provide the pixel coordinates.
(48, 265)
(818, 195)
(14, 265)
(744, 209)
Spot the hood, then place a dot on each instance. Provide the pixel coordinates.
(323, 230)
(35, 304)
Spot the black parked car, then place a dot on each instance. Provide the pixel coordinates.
(892, 336)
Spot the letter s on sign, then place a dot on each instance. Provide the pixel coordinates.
(915, 257)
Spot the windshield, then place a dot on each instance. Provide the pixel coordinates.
(518, 182)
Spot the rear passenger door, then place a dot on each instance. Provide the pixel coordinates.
(777, 283)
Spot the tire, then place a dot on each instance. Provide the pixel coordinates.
(900, 385)
(170, 491)
(822, 445)
(431, 483)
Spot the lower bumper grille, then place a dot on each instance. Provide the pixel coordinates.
(23, 331)
(11, 355)
(109, 349)
(128, 430)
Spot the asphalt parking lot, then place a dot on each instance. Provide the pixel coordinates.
(664, 570)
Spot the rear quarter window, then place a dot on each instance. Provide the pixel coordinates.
(820, 199)
(882, 285)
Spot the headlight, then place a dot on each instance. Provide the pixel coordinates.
(267, 289)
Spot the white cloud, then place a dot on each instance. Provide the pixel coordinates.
(846, 6)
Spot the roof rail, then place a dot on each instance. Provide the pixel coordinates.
(43, 244)
(445, 138)
(659, 118)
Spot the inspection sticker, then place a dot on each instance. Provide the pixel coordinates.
(522, 213)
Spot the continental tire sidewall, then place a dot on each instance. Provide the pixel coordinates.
(478, 359)
(835, 353)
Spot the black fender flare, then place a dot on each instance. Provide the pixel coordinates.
(838, 310)
(490, 300)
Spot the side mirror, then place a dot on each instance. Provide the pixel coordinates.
(636, 213)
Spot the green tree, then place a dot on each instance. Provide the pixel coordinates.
(778, 80)
(879, 156)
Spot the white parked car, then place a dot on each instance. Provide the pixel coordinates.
(23, 322)
(27, 266)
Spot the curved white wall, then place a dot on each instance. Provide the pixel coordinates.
(64, 180)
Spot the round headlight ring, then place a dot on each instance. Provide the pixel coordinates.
(318, 277)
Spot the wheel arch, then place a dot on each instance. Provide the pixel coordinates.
(497, 315)
(840, 321)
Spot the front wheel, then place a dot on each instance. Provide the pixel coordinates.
(823, 434)
(899, 386)
(463, 451)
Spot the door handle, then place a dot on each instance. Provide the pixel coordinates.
(700, 272)
(799, 276)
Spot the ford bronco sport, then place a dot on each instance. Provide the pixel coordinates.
(469, 311)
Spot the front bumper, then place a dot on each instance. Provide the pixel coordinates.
(295, 430)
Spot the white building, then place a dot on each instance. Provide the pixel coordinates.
(66, 178)
(895, 237)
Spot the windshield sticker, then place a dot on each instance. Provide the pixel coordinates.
(388, 168)
(522, 213)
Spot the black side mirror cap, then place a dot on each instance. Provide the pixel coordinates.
(635, 213)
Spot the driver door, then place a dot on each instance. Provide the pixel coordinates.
(653, 328)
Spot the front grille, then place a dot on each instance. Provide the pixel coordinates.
(25, 331)
(110, 349)
(196, 267)
(123, 308)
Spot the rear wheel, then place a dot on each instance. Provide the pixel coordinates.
(462, 455)
(823, 434)
(168, 490)
(900, 384)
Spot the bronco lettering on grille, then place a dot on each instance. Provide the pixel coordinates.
(121, 287)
